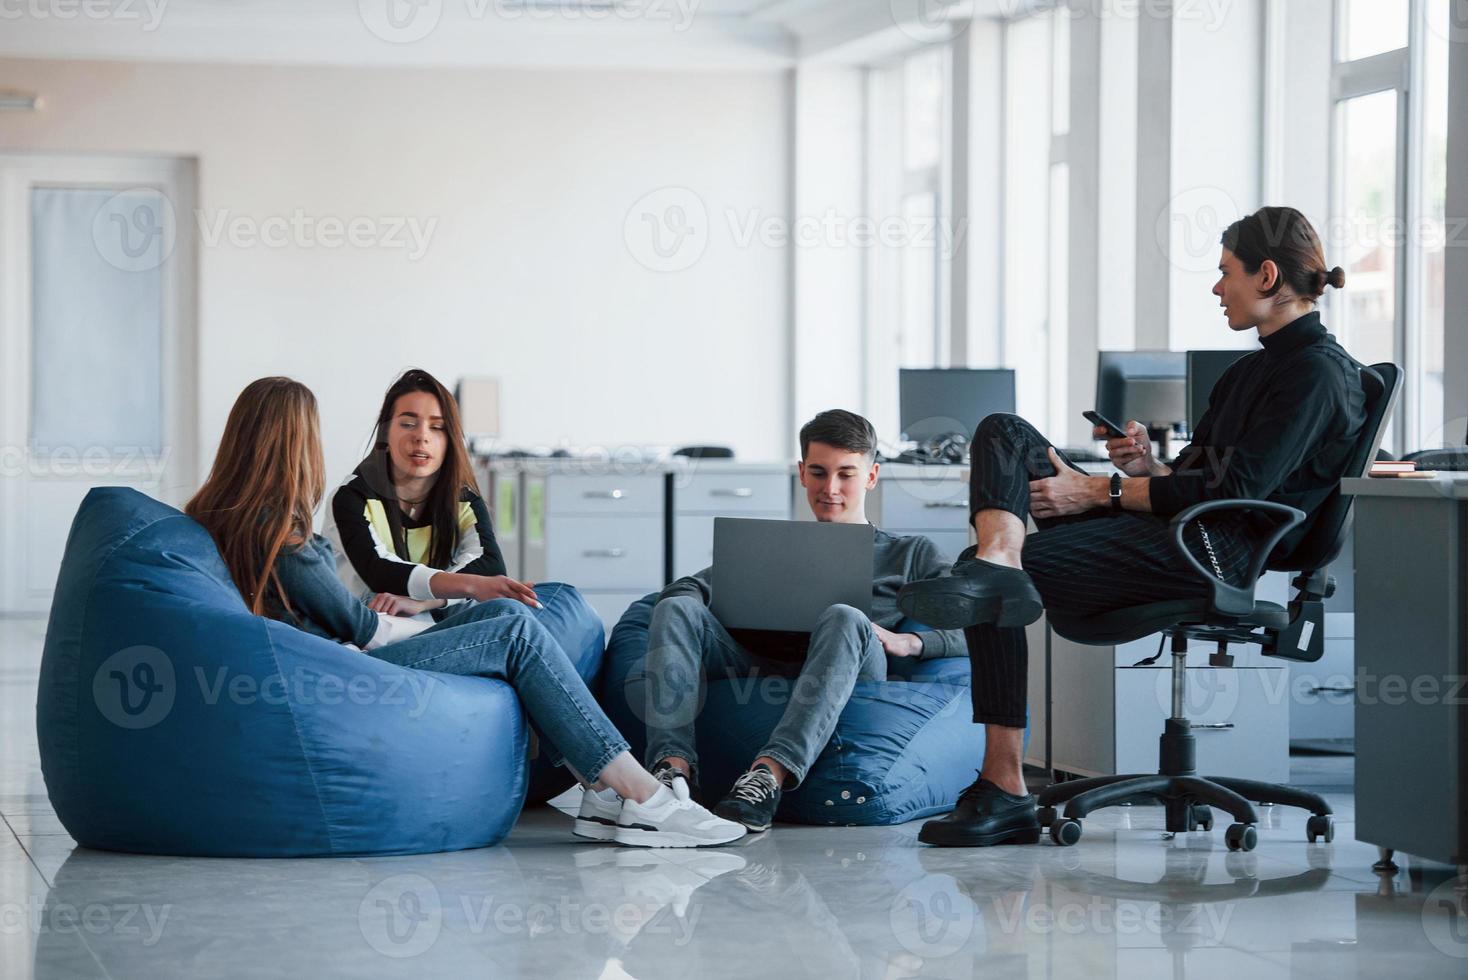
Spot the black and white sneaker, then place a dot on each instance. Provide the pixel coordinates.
(753, 800)
(669, 775)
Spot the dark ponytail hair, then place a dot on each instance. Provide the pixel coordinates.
(1285, 237)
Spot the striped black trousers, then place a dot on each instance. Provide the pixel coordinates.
(1081, 564)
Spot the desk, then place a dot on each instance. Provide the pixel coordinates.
(1411, 664)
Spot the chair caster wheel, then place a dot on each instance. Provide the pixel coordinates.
(1320, 827)
(1241, 837)
(1047, 815)
(1202, 818)
(1065, 831)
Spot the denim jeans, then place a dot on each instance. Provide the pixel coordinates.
(504, 640)
(687, 647)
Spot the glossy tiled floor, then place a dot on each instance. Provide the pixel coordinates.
(799, 901)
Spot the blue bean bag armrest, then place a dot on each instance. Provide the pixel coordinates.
(903, 748)
(172, 721)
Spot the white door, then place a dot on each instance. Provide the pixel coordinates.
(96, 348)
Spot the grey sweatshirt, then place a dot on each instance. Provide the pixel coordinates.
(896, 560)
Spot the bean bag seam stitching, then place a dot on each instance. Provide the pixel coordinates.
(300, 743)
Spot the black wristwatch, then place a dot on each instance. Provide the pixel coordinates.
(1116, 492)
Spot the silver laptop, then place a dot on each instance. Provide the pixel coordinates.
(781, 575)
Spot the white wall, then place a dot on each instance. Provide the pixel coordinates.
(531, 177)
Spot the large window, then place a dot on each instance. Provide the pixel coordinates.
(909, 262)
(1036, 213)
(1388, 215)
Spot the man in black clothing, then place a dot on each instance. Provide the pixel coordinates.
(1280, 426)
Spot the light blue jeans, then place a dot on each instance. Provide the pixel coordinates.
(687, 647)
(503, 639)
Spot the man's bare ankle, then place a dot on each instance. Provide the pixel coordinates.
(1009, 559)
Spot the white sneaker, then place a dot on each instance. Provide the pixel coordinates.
(597, 818)
(671, 819)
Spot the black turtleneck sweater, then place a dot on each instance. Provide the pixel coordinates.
(1281, 424)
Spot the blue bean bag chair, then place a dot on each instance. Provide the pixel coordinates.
(172, 721)
(903, 748)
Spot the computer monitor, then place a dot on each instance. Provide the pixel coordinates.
(1205, 367)
(1144, 386)
(938, 402)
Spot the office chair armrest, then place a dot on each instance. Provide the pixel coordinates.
(1231, 600)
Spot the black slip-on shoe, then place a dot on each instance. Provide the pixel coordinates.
(977, 592)
(985, 815)
(752, 801)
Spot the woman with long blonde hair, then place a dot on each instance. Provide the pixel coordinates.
(258, 505)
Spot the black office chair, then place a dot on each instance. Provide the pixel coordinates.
(1229, 615)
(1453, 458)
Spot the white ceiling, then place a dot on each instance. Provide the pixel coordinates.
(647, 34)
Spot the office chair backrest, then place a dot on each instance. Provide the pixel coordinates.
(1327, 536)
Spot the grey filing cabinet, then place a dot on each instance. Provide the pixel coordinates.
(600, 531)
(702, 490)
(927, 500)
(1412, 665)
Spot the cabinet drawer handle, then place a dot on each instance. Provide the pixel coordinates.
(604, 553)
(1217, 726)
(604, 494)
(731, 492)
(945, 505)
(1333, 690)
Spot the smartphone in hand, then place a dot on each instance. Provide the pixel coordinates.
(1113, 431)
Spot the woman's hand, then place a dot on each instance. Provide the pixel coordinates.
(488, 587)
(401, 605)
(1068, 492)
(1133, 453)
